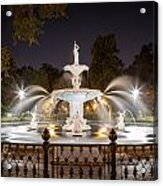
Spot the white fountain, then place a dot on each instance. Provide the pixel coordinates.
(119, 94)
(76, 96)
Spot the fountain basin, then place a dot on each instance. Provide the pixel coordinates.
(133, 134)
(77, 95)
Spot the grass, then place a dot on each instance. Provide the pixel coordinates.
(14, 119)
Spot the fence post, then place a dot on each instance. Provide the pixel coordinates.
(113, 138)
(46, 137)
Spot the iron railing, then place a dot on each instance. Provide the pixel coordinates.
(80, 161)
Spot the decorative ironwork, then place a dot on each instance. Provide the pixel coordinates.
(137, 162)
(21, 160)
(79, 161)
(46, 137)
(83, 161)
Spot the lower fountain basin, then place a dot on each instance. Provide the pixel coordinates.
(132, 135)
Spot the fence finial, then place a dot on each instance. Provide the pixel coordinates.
(46, 135)
(113, 135)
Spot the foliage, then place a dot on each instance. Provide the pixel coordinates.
(143, 68)
(28, 20)
(143, 65)
(52, 74)
(44, 76)
(8, 75)
(8, 64)
(105, 64)
(63, 80)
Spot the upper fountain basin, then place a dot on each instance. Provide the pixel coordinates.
(81, 95)
(76, 70)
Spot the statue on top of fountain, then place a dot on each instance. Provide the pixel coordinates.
(76, 53)
(76, 69)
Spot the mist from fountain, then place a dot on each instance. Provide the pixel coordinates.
(120, 93)
(26, 104)
(131, 114)
(102, 112)
(32, 94)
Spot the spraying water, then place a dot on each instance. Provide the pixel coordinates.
(120, 94)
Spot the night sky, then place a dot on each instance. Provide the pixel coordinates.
(85, 22)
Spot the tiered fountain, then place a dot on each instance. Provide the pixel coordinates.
(76, 97)
(121, 94)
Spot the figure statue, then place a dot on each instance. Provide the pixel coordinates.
(120, 121)
(76, 69)
(34, 121)
(77, 124)
(76, 53)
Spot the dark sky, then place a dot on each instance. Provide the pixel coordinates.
(84, 23)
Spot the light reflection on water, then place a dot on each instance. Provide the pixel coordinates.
(131, 135)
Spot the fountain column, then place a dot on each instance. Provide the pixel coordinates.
(76, 105)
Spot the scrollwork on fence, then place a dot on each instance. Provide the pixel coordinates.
(19, 160)
(82, 161)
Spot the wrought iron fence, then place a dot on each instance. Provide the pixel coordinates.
(80, 161)
(136, 162)
(22, 160)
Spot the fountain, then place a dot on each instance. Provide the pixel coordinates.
(119, 95)
(76, 97)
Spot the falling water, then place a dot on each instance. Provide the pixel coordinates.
(102, 112)
(119, 92)
(35, 88)
(124, 83)
(26, 104)
(131, 114)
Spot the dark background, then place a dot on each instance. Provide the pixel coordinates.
(83, 23)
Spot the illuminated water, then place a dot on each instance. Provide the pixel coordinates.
(132, 135)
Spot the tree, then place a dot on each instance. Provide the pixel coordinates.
(105, 64)
(51, 73)
(28, 20)
(31, 76)
(143, 68)
(8, 76)
(143, 65)
(63, 80)
(8, 65)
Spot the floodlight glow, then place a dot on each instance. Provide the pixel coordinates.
(135, 94)
(21, 94)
